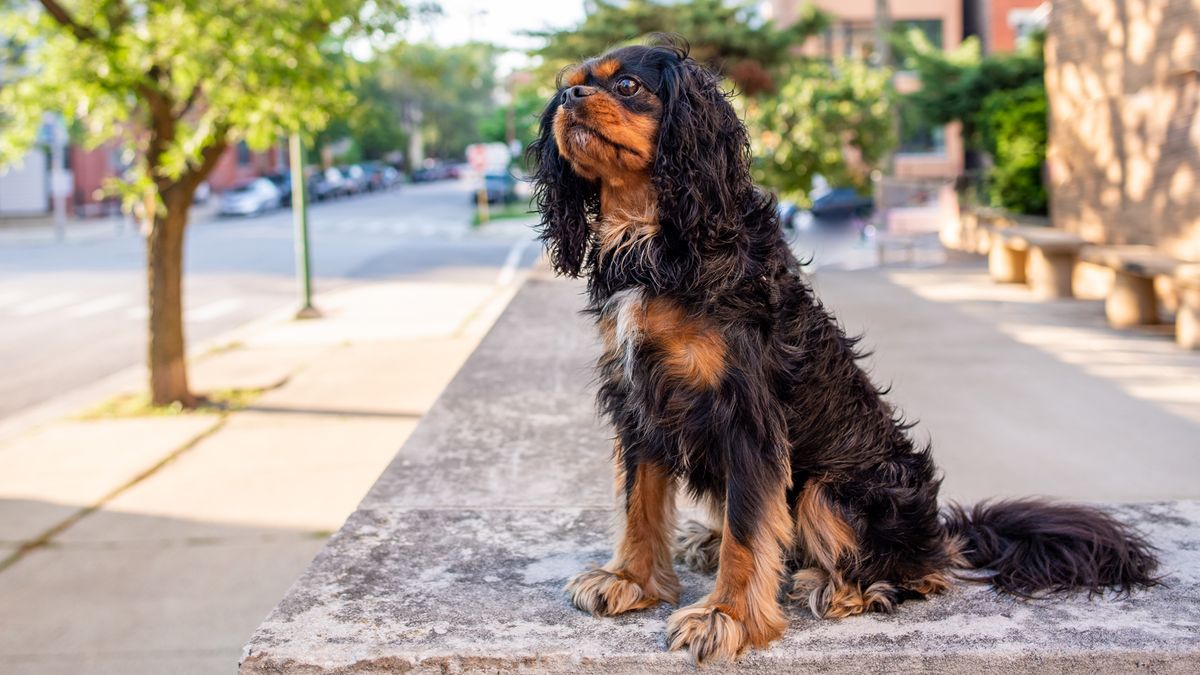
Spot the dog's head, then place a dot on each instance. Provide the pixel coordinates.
(641, 113)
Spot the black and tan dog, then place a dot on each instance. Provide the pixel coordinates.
(724, 375)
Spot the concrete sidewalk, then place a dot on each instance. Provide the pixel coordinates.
(156, 544)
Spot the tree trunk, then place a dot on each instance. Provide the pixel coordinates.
(164, 264)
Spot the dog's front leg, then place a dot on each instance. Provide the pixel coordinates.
(743, 610)
(640, 574)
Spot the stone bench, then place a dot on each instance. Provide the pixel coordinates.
(455, 560)
(1040, 256)
(1132, 299)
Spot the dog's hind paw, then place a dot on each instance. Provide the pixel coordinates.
(698, 547)
(708, 633)
(606, 593)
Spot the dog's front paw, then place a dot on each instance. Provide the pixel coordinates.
(708, 633)
(606, 593)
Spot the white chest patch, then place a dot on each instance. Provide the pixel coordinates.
(626, 308)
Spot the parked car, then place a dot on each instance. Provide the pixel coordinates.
(327, 184)
(258, 196)
(356, 179)
(500, 187)
(787, 214)
(841, 202)
(391, 177)
(432, 171)
(380, 176)
(283, 183)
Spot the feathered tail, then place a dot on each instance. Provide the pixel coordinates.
(1034, 548)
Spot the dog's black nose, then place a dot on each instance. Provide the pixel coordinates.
(572, 95)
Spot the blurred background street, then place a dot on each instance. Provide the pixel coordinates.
(238, 269)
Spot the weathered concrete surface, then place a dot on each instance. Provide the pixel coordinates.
(456, 559)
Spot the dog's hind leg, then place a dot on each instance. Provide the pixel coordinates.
(640, 574)
(698, 547)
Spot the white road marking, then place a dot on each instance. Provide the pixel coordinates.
(44, 304)
(98, 306)
(213, 310)
(509, 271)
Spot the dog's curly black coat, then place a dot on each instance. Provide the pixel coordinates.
(724, 373)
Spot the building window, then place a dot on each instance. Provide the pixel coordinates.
(243, 154)
(917, 137)
(930, 28)
(856, 39)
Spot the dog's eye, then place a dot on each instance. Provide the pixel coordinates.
(627, 86)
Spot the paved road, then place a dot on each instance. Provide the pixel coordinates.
(74, 312)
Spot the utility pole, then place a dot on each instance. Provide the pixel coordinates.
(300, 220)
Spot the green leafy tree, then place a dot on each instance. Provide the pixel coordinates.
(521, 113)
(440, 94)
(729, 36)
(828, 120)
(372, 125)
(1000, 99)
(178, 82)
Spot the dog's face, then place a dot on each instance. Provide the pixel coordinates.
(606, 125)
(641, 116)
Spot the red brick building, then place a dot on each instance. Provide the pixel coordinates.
(92, 168)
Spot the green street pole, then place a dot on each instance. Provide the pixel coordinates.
(300, 219)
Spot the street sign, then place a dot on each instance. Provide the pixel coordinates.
(489, 157)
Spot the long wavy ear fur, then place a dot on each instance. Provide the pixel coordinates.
(566, 201)
(702, 166)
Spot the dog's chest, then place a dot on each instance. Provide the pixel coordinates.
(656, 336)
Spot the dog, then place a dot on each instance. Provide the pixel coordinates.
(723, 375)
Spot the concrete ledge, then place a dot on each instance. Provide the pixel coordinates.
(455, 561)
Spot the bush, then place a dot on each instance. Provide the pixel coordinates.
(1014, 124)
(828, 120)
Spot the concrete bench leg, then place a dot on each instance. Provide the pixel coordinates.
(1005, 264)
(1131, 302)
(1187, 318)
(1050, 273)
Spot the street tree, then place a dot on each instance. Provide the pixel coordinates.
(178, 83)
(829, 120)
(441, 94)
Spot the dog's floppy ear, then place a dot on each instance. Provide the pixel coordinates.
(566, 201)
(702, 165)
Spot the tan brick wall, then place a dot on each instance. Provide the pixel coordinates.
(1124, 87)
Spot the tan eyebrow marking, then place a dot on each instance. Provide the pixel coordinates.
(606, 69)
(577, 77)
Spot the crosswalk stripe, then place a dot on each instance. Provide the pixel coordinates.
(44, 304)
(213, 310)
(98, 306)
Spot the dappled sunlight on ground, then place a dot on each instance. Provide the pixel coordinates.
(1145, 363)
